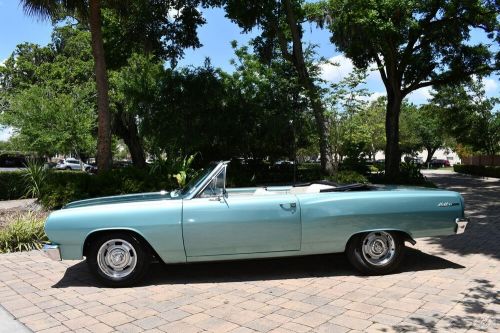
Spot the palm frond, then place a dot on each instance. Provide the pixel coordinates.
(40, 8)
(52, 8)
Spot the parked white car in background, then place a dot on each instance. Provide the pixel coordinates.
(71, 164)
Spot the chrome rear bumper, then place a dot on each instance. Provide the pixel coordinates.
(461, 225)
(52, 251)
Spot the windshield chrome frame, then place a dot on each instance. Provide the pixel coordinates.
(215, 172)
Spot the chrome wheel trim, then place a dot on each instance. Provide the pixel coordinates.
(116, 258)
(378, 248)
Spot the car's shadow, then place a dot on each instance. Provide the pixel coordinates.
(255, 270)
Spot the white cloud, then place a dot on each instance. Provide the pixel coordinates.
(421, 95)
(2, 63)
(490, 85)
(375, 95)
(337, 68)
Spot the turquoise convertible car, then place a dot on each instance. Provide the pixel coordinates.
(121, 235)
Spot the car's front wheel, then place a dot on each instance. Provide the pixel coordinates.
(118, 259)
(377, 252)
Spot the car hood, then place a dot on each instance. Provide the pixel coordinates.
(117, 199)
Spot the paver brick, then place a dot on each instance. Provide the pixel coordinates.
(115, 318)
(80, 322)
(351, 322)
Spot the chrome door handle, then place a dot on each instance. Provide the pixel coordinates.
(291, 205)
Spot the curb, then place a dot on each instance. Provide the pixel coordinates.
(9, 324)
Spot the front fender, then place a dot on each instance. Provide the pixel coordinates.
(158, 222)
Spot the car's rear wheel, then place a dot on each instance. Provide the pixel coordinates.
(377, 252)
(118, 259)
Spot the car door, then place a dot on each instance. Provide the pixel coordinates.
(75, 165)
(216, 224)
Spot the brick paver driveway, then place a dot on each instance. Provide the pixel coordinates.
(446, 284)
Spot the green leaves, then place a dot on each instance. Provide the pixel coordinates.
(24, 233)
(48, 94)
(49, 122)
(34, 176)
(469, 116)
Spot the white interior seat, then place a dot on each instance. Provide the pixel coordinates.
(313, 188)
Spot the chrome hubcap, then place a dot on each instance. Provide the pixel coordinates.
(117, 258)
(379, 248)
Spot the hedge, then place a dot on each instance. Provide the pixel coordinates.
(478, 170)
(62, 187)
(12, 185)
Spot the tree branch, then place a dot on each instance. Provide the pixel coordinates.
(382, 71)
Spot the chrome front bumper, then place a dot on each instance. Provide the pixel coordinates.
(52, 251)
(461, 225)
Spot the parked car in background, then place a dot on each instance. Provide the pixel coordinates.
(205, 221)
(415, 160)
(438, 163)
(71, 164)
(122, 164)
(91, 168)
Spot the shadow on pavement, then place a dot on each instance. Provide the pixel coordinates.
(477, 314)
(255, 270)
(482, 206)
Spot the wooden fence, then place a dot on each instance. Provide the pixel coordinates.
(491, 160)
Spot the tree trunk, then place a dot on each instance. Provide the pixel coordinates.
(308, 84)
(126, 128)
(430, 153)
(104, 118)
(392, 152)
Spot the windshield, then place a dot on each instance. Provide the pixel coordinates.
(197, 180)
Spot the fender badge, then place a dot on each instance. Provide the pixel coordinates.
(447, 204)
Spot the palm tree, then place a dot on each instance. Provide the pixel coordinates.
(90, 11)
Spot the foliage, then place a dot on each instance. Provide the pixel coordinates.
(280, 24)
(62, 187)
(478, 170)
(177, 168)
(410, 175)
(421, 128)
(49, 122)
(348, 127)
(34, 176)
(47, 93)
(24, 233)
(12, 185)
(257, 111)
(470, 116)
(159, 28)
(348, 177)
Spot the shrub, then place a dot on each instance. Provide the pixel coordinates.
(348, 177)
(24, 233)
(62, 187)
(12, 185)
(34, 177)
(409, 175)
(478, 170)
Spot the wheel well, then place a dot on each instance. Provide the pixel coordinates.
(96, 234)
(406, 237)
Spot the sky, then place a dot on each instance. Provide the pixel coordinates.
(216, 36)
